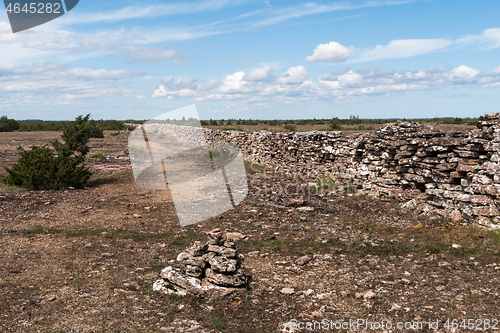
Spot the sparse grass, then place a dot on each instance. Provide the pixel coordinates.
(218, 325)
(174, 297)
(34, 231)
(4, 188)
(98, 154)
(123, 234)
(430, 241)
(178, 241)
(192, 235)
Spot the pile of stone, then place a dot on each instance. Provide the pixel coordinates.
(203, 269)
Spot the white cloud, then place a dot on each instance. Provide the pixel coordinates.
(233, 83)
(294, 75)
(151, 55)
(350, 79)
(49, 69)
(262, 73)
(440, 69)
(406, 48)
(153, 10)
(312, 8)
(345, 85)
(331, 52)
(493, 37)
(47, 84)
(464, 72)
(490, 38)
(402, 48)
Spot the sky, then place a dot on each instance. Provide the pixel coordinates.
(255, 59)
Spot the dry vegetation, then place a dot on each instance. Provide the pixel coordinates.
(86, 260)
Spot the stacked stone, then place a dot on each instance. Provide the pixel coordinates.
(455, 174)
(205, 268)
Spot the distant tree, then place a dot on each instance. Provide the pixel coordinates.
(335, 126)
(8, 125)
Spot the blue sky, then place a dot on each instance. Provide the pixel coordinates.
(272, 59)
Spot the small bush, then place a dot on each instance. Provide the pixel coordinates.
(58, 168)
(290, 127)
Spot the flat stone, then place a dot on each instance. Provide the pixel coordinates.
(223, 264)
(198, 249)
(303, 260)
(235, 236)
(239, 279)
(288, 291)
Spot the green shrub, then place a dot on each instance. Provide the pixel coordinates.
(290, 127)
(58, 168)
(8, 125)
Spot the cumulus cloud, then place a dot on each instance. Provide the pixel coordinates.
(331, 52)
(262, 73)
(294, 75)
(343, 85)
(464, 72)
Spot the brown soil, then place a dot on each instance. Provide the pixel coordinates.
(79, 261)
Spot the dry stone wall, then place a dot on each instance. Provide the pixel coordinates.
(455, 174)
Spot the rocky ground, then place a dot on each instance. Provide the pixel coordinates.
(86, 260)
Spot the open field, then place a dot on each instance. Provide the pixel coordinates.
(85, 260)
(349, 128)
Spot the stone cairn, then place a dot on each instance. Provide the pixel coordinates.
(205, 269)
